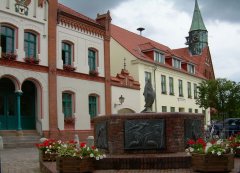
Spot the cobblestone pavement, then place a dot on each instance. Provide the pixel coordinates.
(20, 160)
(25, 160)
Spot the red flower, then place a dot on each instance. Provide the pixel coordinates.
(190, 142)
(213, 141)
(83, 144)
(93, 147)
(71, 142)
(201, 141)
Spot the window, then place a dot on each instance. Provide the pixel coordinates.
(176, 63)
(190, 110)
(191, 68)
(66, 53)
(163, 84)
(7, 39)
(196, 111)
(195, 90)
(181, 110)
(180, 88)
(92, 59)
(92, 101)
(67, 105)
(171, 86)
(172, 109)
(147, 77)
(30, 44)
(164, 108)
(204, 112)
(159, 57)
(189, 86)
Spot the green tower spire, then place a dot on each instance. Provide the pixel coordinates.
(198, 34)
(197, 21)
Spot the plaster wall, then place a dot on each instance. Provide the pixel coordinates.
(82, 41)
(131, 101)
(81, 89)
(41, 82)
(36, 20)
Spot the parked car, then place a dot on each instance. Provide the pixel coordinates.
(231, 126)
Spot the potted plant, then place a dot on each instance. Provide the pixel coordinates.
(9, 56)
(48, 149)
(93, 73)
(32, 60)
(69, 120)
(211, 156)
(68, 67)
(74, 159)
(235, 143)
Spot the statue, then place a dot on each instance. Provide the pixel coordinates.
(149, 95)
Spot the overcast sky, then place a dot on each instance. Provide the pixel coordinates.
(168, 22)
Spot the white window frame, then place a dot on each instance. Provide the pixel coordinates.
(159, 57)
(177, 63)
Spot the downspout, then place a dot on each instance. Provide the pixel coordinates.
(155, 86)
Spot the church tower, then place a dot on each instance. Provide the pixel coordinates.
(198, 34)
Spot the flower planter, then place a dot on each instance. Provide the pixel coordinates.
(69, 68)
(31, 60)
(93, 73)
(212, 163)
(74, 165)
(9, 56)
(47, 157)
(237, 153)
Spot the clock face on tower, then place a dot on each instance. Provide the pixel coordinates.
(195, 38)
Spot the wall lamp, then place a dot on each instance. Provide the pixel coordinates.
(121, 100)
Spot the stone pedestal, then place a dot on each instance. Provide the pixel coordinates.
(146, 133)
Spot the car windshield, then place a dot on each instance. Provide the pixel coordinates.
(230, 121)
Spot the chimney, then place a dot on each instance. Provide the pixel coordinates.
(140, 30)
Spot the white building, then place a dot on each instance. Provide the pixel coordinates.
(174, 74)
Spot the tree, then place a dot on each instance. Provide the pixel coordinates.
(221, 94)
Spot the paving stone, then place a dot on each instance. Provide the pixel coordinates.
(25, 160)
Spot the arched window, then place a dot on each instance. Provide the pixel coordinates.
(67, 104)
(7, 39)
(67, 53)
(93, 105)
(30, 45)
(92, 59)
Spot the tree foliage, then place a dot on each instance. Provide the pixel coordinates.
(220, 94)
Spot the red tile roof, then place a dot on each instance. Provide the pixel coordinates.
(70, 11)
(137, 44)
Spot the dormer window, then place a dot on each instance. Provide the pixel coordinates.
(176, 63)
(191, 68)
(159, 57)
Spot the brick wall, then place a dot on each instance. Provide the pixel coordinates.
(174, 130)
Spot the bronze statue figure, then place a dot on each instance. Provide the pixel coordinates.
(149, 95)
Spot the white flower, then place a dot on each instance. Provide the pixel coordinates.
(104, 155)
(213, 151)
(187, 150)
(91, 155)
(101, 157)
(191, 149)
(97, 158)
(208, 146)
(219, 141)
(219, 153)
